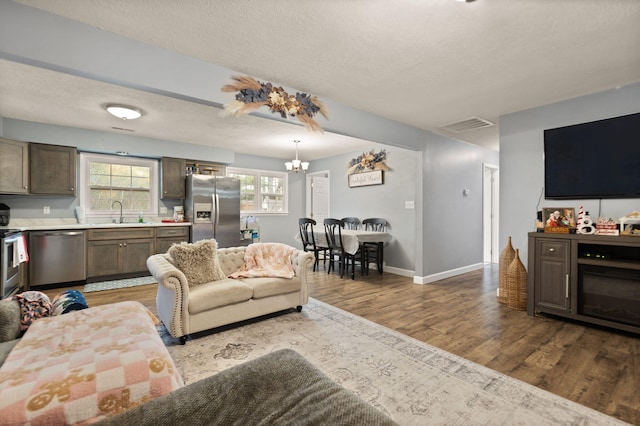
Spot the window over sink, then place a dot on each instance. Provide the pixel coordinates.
(105, 179)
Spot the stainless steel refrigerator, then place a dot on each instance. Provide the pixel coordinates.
(212, 205)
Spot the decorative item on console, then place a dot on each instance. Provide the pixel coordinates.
(606, 226)
(559, 220)
(253, 94)
(506, 257)
(630, 224)
(585, 224)
(517, 284)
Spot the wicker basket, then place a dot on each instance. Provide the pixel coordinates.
(505, 260)
(517, 285)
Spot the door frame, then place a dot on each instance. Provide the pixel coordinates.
(309, 190)
(490, 211)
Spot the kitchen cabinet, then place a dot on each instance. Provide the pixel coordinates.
(167, 236)
(14, 167)
(52, 169)
(173, 178)
(119, 251)
(201, 168)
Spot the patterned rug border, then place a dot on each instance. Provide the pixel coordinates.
(490, 380)
(116, 284)
(489, 386)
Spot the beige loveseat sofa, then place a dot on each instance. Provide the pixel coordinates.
(188, 309)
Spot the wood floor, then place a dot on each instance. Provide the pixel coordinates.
(598, 368)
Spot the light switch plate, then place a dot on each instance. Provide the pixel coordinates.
(409, 204)
(46, 210)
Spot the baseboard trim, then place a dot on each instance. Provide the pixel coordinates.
(447, 274)
(392, 270)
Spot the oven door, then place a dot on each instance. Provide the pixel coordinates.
(10, 268)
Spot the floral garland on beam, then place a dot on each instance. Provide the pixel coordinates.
(253, 94)
(368, 162)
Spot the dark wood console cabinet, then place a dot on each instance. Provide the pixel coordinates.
(589, 278)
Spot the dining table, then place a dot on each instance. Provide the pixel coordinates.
(351, 238)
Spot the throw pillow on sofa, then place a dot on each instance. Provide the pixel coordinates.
(9, 320)
(198, 261)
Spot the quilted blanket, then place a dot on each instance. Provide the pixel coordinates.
(86, 365)
(266, 260)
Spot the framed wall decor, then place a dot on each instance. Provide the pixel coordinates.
(366, 178)
(559, 219)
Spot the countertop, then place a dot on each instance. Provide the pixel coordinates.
(61, 224)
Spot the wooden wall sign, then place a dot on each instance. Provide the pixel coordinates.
(367, 178)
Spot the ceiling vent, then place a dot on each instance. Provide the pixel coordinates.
(123, 129)
(473, 123)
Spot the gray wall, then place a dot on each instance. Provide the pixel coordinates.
(386, 201)
(423, 243)
(452, 222)
(71, 48)
(444, 230)
(522, 162)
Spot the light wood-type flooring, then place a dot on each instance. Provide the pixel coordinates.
(596, 367)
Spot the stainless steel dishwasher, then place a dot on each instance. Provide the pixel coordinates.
(57, 257)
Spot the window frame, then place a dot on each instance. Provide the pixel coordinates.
(257, 188)
(154, 183)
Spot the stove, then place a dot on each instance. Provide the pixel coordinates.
(8, 232)
(10, 268)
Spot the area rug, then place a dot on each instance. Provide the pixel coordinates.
(412, 382)
(115, 284)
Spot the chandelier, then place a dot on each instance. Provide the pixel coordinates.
(297, 165)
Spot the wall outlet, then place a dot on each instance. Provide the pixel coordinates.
(163, 210)
(46, 210)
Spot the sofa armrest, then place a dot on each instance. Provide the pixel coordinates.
(173, 294)
(301, 261)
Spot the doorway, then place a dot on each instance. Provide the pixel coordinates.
(317, 196)
(490, 212)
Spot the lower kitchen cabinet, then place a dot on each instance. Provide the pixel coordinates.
(167, 236)
(119, 251)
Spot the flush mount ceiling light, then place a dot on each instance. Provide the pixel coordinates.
(124, 112)
(297, 165)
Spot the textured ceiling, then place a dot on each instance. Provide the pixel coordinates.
(422, 63)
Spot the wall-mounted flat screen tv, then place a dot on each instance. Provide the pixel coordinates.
(599, 159)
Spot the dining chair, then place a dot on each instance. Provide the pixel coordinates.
(375, 251)
(351, 222)
(333, 231)
(309, 244)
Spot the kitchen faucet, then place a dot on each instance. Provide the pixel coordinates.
(121, 218)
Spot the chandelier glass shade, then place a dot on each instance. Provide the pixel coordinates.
(296, 165)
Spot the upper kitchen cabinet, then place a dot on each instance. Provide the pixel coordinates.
(173, 178)
(14, 167)
(52, 169)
